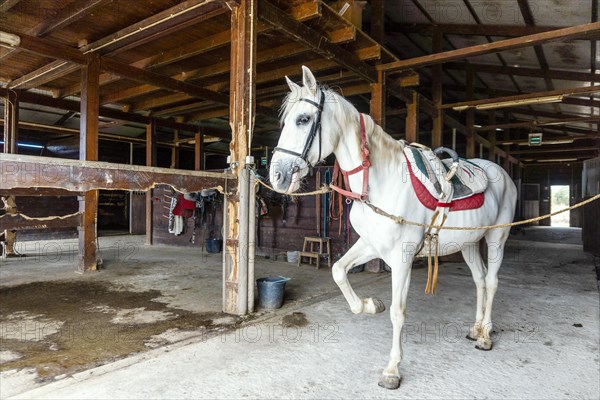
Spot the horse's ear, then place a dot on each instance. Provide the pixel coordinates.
(309, 81)
(294, 87)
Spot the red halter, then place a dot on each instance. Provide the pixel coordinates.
(364, 167)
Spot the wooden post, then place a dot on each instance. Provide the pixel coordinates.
(377, 111)
(242, 107)
(492, 136)
(378, 98)
(150, 162)
(438, 120)
(470, 122)
(412, 119)
(11, 135)
(88, 151)
(378, 20)
(506, 136)
(199, 151)
(175, 150)
(11, 122)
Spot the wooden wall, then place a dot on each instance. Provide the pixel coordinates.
(44, 206)
(274, 233)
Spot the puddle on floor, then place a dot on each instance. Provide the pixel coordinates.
(59, 328)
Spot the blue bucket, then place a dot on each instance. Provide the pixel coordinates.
(270, 291)
(213, 245)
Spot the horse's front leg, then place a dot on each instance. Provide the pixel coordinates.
(390, 379)
(358, 254)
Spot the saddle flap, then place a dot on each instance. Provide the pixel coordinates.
(469, 179)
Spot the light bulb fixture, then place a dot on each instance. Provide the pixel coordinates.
(522, 102)
(9, 39)
(512, 103)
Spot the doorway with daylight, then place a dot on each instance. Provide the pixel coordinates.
(559, 199)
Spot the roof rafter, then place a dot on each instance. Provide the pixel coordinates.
(168, 21)
(495, 47)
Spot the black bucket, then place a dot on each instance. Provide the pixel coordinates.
(271, 291)
(213, 245)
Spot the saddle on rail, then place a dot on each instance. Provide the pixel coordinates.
(454, 183)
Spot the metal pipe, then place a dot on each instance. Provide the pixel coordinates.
(225, 276)
(243, 249)
(251, 242)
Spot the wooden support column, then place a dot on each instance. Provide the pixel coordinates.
(412, 119)
(237, 275)
(11, 122)
(506, 137)
(150, 162)
(11, 135)
(199, 151)
(378, 99)
(470, 122)
(377, 112)
(437, 132)
(492, 136)
(175, 150)
(88, 151)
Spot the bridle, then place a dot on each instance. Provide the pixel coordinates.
(363, 167)
(314, 130)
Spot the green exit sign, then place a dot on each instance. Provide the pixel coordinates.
(535, 139)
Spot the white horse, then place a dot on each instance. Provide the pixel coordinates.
(318, 122)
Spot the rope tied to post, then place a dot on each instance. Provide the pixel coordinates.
(400, 220)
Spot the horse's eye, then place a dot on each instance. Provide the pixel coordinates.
(302, 120)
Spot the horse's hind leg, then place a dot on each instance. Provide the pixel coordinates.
(496, 239)
(358, 254)
(473, 259)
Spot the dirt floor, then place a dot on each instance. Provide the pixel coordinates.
(55, 322)
(111, 334)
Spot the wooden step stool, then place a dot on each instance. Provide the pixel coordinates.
(310, 253)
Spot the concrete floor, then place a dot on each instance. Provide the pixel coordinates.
(546, 316)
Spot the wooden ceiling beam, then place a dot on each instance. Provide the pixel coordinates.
(525, 96)
(548, 141)
(69, 15)
(302, 12)
(63, 18)
(314, 40)
(111, 113)
(281, 52)
(6, 5)
(53, 49)
(205, 73)
(531, 151)
(495, 47)
(167, 21)
(536, 123)
(529, 72)
(467, 29)
(576, 101)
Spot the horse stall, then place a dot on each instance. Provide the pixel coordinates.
(299, 199)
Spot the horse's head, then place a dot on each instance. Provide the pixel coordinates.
(306, 137)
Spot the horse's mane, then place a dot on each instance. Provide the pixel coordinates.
(387, 148)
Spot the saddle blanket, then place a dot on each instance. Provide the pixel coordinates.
(427, 170)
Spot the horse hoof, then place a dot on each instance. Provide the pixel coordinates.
(471, 337)
(390, 382)
(373, 306)
(484, 344)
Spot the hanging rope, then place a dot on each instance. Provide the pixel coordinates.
(401, 220)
